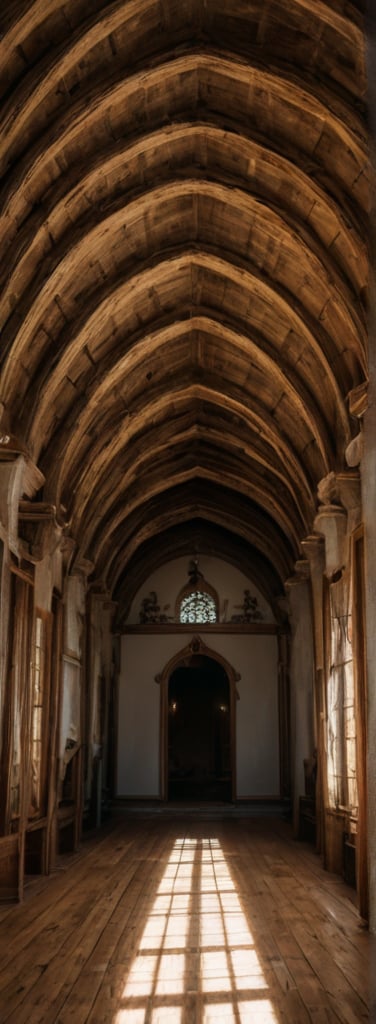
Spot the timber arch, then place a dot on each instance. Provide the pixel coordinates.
(187, 347)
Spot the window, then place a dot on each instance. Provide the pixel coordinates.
(39, 714)
(197, 601)
(198, 606)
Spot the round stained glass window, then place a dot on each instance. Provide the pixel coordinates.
(198, 607)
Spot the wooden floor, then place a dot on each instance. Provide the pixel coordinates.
(186, 920)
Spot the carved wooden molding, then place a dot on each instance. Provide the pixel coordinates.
(358, 400)
(184, 657)
(226, 628)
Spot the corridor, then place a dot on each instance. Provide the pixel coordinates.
(180, 919)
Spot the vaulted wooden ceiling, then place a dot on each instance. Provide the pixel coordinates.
(183, 269)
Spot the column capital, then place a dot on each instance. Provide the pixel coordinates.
(10, 446)
(42, 527)
(354, 451)
(82, 567)
(348, 485)
(339, 491)
(68, 548)
(331, 522)
(301, 575)
(338, 515)
(358, 400)
(18, 476)
(13, 450)
(314, 548)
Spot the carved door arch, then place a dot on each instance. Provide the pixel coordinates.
(185, 658)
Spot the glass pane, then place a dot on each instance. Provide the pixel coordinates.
(198, 607)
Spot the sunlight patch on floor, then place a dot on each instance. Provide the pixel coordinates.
(196, 945)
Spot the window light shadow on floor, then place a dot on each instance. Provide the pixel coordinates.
(196, 950)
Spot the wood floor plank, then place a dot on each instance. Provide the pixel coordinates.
(190, 922)
(340, 992)
(70, 958)
(74, 1000)
(314, 996)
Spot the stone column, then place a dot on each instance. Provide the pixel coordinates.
(73, 718)
(301, 680)
(368, 489)
(336, 520)
(98, 696)
(284, 709)
(331, 522)
(314, 549)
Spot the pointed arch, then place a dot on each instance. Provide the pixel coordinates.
(185, 659)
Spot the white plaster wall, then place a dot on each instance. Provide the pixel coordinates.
(143, 657)
(229, 583)
(257, 719)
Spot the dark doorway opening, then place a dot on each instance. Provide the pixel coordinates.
(199, 732)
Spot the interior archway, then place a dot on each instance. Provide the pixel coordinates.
(199, 731)
(193, 657)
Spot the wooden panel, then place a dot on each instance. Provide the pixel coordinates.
(9, 867)
(335, 828)
(361, 719)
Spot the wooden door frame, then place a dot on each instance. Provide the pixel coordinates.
(360, 680)
(55, 705)
(18, 662)
(183, 659)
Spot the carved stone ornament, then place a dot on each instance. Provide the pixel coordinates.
(150, 611)
(331, 522)
(249, 610)
(196, 645)
(302, 575)
(82, 567)
(354, 451)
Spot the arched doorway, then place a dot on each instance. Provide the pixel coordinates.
(199, 734)
(198, 742)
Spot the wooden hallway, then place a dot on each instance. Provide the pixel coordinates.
(182, 919)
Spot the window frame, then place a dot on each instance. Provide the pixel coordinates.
(190, 589)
